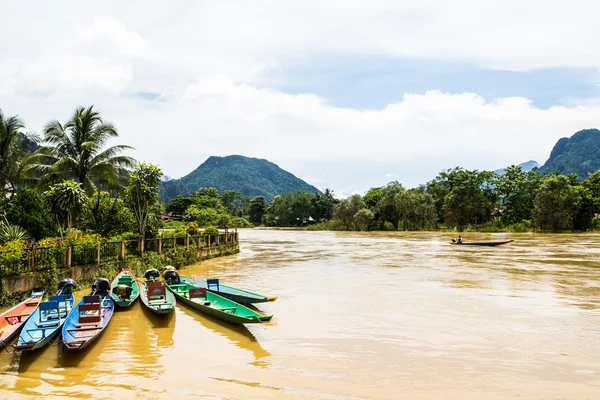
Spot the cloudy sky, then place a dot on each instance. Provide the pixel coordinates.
(344, 94)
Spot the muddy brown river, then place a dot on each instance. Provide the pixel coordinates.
(359, 316)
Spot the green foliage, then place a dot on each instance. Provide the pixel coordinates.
(141, 194)
(14, 146)
(257, 209)
(66, 201)
(556, 204)
(250, 176)
(331, 225)
(10, 232)
(388, 226)
(516, 191)
(76, 150)
(27, 210)
(363, 219)
(192, 229)
(209, 230)
(579, 154)
(470, 199)
(107, 215)
(347, 209)
(178, 204)
(323, 205)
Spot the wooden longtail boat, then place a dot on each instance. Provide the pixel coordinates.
(124, 288)
(47, 320)
(13, 320)
(229, 292)
(89, 317)
(154, 294)
(210, 303)
(482, 243)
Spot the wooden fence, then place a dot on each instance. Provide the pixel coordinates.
(40, 258)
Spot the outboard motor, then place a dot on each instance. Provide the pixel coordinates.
(66, 285)
(171, 276)
(170, 268)
(101, 286)
(123, 290)
(152, 274)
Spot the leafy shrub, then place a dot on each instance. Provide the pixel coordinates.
(388, 226)
(192, 229)
(209, 230)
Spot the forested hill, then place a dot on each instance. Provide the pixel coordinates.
(579, 154)
(250, 176)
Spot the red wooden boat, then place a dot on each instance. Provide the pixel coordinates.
(12, 321)
(482, 243)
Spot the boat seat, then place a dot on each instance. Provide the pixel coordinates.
(226, 309)
(91, 299)
(213, 282)
(89, 313)
(155, 290)
(197, 292)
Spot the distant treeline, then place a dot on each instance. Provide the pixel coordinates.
(456, 199)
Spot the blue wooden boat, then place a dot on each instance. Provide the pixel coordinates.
(229, 292)
(89, 317)
(45, 322)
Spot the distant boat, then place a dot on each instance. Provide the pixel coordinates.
(238, 295)
(482, 243)
(89, 317)
(46, 321)
(124, 288)
(210, 303)
(154, 294)
(13, 320)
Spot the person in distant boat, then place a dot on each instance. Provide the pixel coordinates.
(457, 241)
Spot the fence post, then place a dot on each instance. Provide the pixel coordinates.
(142, 246)
(69, 250)
(187, 242)
(208, 240)
(98, 254)
(174, 243)
(226, 235)
(159, 246)
(218, 236)
(122, 251)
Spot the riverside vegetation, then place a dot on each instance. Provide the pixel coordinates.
(74, 190)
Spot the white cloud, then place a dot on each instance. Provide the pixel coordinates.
(196, 54)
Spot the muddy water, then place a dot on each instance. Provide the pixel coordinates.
(359, 316)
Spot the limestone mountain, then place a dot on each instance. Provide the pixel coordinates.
(579, 154)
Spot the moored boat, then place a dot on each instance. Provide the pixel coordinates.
(154, 294)
(210, 303)
(89, 317)
(45, 322)
(229, 292)
(124, 288)
(13, 320)
(482, 243)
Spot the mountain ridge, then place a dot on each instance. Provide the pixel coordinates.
(250, 176)
(578, 154)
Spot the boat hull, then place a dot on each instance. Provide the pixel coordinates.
(77, 336)
(13, 320)
(238, 295)
(37, 333)
(489, 244)
(157, 307)
(216, 306)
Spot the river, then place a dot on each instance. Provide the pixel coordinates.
(359, 316)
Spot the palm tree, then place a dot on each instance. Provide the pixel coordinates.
(76, 151)
(14, 146)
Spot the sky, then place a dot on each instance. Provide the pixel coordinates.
(346, 95)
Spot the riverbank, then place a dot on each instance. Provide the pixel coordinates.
(36, 271)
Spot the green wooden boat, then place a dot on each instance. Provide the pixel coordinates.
(154, 294)
(238, 295)
(210, 303)
(124, 288)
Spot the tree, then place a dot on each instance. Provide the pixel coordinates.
(107, 215)
(347, 209)
(516, 191)
(363, 219)
(14, 146)
(386, 209)
(470, 199)
(257, 209)
(76, 150)
(232, 200)
(178, 204)
(66, 200)
(323, 205)
(27, 210)
(141, 193)
(556, 204)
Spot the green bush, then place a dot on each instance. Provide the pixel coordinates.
(209, 230)
(388, 226)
